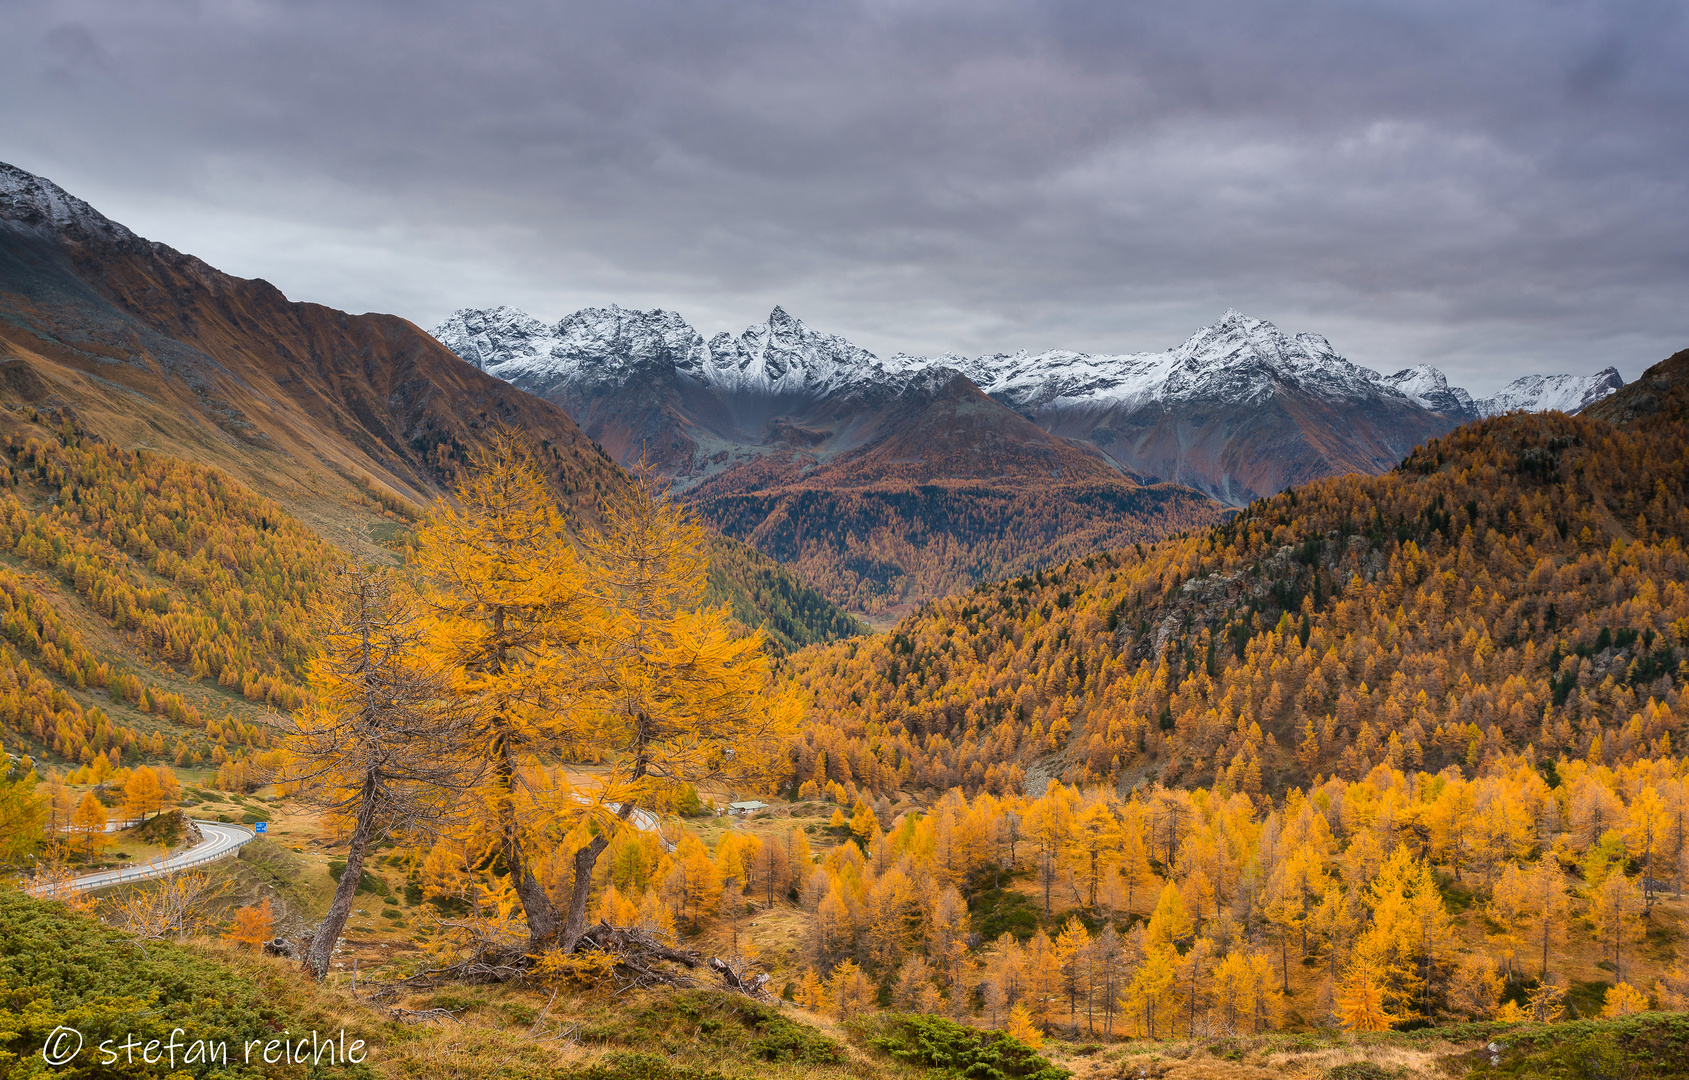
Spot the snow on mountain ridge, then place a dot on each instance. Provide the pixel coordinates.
(780, 356)
(1540, 393)
(1429, 388)
(36, 201)
(1238, 359)
(784, 355)
(495, 339)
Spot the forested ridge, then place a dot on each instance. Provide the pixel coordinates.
(759, 592)
(1518, 582)
(196, 578)
(878, 549)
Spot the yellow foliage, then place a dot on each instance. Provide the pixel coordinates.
(1624, 999)
(1020, 1026)
(253, 926)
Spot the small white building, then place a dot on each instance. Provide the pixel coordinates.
(746, 808)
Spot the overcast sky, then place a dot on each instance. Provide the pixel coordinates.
(1495, 188)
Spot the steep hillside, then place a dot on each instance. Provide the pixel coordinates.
(1660, 398)
(153, 608)
(1519, 581)
(150, 347)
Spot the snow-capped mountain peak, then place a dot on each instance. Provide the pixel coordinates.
(38, 202)
(492, 338)
(1429, 388)
(1238, 359)
(594, 344)
(784, 355)
(1539, 393)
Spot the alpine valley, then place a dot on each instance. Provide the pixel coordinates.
(891, 481)
(1378, 773)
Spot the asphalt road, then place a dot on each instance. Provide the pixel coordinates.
(221, 841)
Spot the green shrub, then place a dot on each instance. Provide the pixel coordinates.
(687, 803)
(163, 829)
(449, 905)
(520, 1014)
(1646, 1046)
(1358, 1070)
(783, 1040)
(719, 1024)
(995, 911)
(367, 883)
(964, 1051)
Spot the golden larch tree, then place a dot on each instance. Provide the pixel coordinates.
(509, 606)
(675, 695)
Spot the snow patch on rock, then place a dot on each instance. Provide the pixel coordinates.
(39, 203)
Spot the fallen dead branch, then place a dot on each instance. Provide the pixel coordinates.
(423, 1016)
(736, 977)
(623, 957)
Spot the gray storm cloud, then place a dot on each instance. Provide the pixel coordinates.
(1493, 188)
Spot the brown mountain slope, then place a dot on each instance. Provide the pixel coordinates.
(1659, 397)
(341, 418)
(939, 428)
(1237, 453)
(151, 347)
(943, 489)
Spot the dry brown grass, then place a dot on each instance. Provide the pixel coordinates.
(1269, 1058)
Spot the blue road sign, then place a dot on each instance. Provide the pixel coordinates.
(262, 826)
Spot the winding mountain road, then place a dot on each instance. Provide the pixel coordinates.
(221, 841)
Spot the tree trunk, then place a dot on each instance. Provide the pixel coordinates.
(321, 948)
(585, 859)
(537, 908)
(1284, 956)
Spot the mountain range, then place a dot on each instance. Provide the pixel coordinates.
(885, 483)
(1239, 410)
